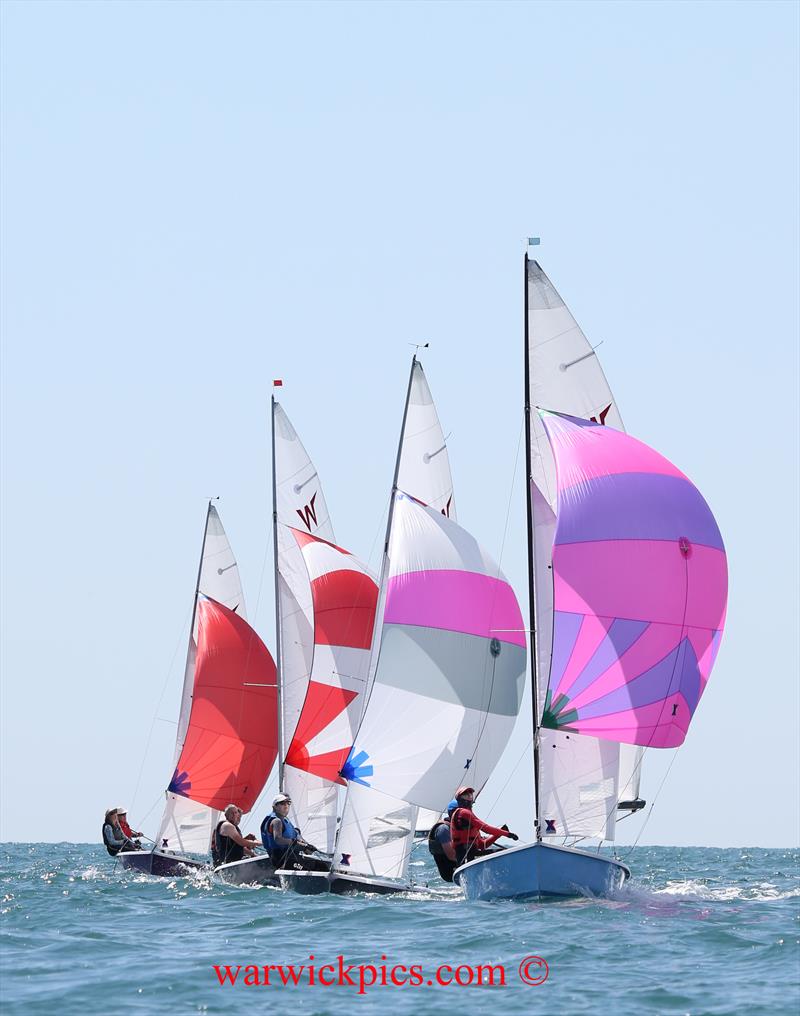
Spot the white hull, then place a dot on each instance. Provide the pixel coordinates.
(538, 870)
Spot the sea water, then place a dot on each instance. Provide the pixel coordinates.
(697, 930)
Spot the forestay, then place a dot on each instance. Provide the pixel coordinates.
(640, 589)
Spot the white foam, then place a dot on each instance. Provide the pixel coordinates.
(696, 889)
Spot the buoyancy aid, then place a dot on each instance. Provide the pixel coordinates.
(111, 849)
(434, 843)
(227, 849)
(466, 829)
(288, 832)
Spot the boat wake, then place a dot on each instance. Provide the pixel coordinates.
(693, 890)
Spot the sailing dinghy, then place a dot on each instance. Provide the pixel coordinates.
(377, 831)
(628, 590)
(227, 729)
(448, 662)
(325, 607)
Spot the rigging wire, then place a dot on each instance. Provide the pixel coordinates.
(178, 645)
(655, 798)
(499, 572)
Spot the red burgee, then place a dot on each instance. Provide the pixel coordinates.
(232, 739)
(277, 383)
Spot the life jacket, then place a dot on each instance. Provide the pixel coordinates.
(460, 822)
(434, 846)
(288, 832)
(112, 850)
(227, 850)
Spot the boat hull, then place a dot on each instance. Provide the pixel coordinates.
(313, 883)
(540, 870)
(159, 863)
(249, 871)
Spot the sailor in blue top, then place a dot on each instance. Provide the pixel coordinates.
(286, 847)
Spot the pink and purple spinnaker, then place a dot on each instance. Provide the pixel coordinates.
(640, 586)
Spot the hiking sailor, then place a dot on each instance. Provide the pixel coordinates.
(113, 836)
(228, 844)
(440, 844)
(285, 845)
(466, 829)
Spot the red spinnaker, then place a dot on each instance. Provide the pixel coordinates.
(232, 738)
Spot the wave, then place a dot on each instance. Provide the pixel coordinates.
(696, 889)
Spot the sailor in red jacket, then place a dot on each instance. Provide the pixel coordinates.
(466, 829)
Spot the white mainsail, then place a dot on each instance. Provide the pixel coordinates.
(376, 833)
(581, 779)
(299, 504)
(424, 468)
(186, 825)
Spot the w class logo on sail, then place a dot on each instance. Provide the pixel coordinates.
(308, 513)
(344, 598)
(601, 416)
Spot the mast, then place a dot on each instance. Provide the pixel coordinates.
(181, 733)
(199, 572)
(382, 577)
(278, 652)
(531, 579)
(397, 463)
(373, 664)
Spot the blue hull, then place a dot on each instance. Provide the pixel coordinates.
(539, 870)
(162, 865)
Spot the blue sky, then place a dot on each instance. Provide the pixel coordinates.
(197, 198)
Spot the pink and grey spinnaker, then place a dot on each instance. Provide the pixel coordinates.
(640, 587)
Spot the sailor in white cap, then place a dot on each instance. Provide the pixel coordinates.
(122, 815)
(286, 847)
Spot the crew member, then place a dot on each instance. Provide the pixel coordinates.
(229, 842)
(114, 838)
(466, 829)
(440, 844)
(286, 847)
(122, 815)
